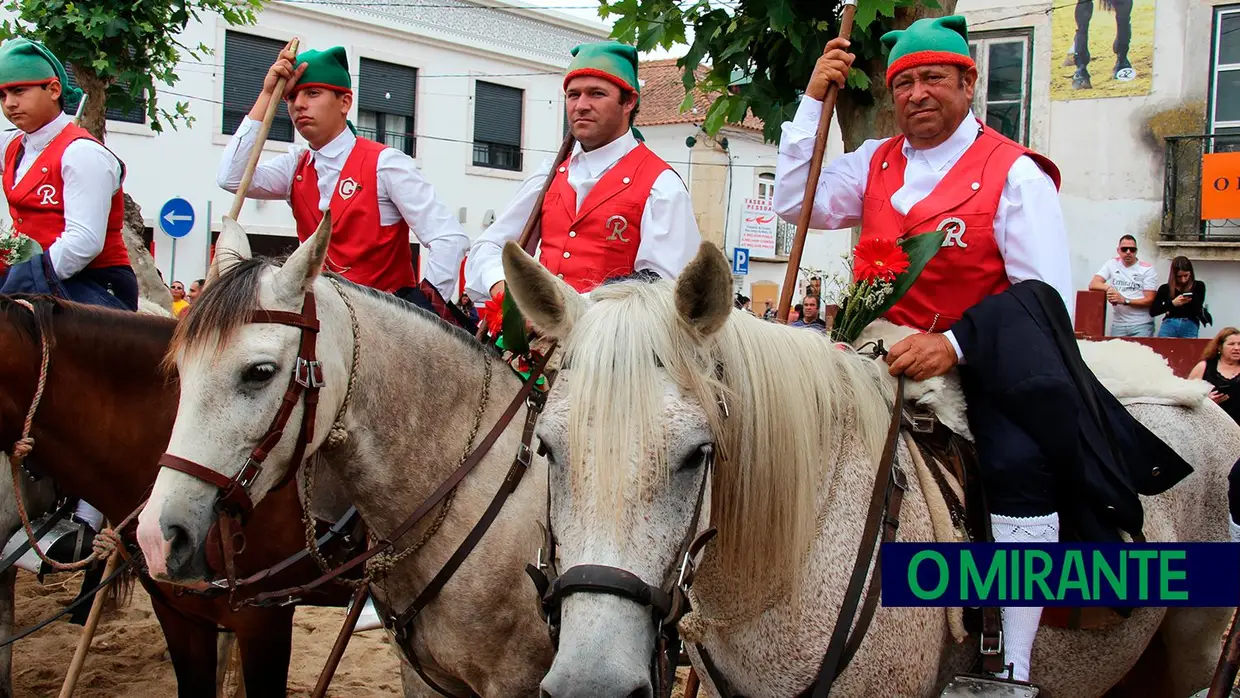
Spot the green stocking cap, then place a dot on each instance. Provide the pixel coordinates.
(609, 60)
(26, 62)
(930, 41)
(328, 69)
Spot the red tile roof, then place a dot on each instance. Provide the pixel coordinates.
(663, 92)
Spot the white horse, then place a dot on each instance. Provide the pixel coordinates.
(418, 389)
(654, 373)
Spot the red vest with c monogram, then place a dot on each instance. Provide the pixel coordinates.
(968, 267)
(586, 245)
(37, 202)
(362, 250)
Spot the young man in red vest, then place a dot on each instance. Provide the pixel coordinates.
(614, 208)
(64, 192)
(1006, 247)
(375, 192)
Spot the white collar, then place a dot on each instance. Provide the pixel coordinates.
(947, 152)
(338, 146)
(598, 161)
(38, 140)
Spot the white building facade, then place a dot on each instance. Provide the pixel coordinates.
(472, 92)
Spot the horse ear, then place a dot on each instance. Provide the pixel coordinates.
(550, 304)
(232, 247)
(704, 292)
(305, 264)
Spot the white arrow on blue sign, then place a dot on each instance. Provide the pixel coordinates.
(176, 218)
(740, 260)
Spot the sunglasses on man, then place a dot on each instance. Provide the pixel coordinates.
(1127, 249)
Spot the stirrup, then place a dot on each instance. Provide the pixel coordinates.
(1235, 693)
(368, 620)
(68, 541)
(978, 686)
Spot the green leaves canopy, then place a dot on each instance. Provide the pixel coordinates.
(130, 45)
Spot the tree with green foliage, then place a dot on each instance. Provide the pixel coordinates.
(121, 51)
(762, 52)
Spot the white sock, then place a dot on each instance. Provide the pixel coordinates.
(89, 514)
(1020, 623)
(1234, 528)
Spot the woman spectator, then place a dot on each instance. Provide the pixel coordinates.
(1183, 299)
(1220, 366)
(179, 304)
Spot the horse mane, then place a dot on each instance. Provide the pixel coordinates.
(228, 303)
(791, 398)
(41, 323)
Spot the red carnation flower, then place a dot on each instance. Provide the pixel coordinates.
(492, 313)
(877, 259)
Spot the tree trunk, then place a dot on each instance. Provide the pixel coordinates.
(872, 115)
(94, 119)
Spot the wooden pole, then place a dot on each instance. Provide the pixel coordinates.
(531, 233)
(1228, 661)
(692, 683)
(88, 632)
(811, 182)
(277, 96)
(342, 641)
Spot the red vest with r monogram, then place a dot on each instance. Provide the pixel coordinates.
(37, 202)
(588, 244)
(362, 250)
(969, 266)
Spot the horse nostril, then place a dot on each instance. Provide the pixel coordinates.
(180, 548)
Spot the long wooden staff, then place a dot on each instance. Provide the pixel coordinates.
(532, 231)
(88, 632)
(811, 182)
(1228, 661)
(277, 96)
(342, 641)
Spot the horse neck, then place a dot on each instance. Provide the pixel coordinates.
(107, 409)
(415, 400)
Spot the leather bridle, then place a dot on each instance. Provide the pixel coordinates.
(235, 504)
(668, 603)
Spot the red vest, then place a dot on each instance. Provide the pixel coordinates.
(362, 250)
(597, 241)
(969, 266)
(37, 204)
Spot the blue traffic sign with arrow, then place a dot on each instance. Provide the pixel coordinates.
(176, 218)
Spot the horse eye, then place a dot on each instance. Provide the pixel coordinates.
(698, 457)
(259, 373)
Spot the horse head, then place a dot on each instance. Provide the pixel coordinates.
(239, 358)
(628, 435)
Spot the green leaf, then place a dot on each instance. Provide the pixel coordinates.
(858, 79)
(687, 104)
(780, 12)
(738, 109)
(515, 338)
(715, 115)
(920, 250)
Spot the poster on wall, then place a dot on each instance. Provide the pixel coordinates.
(1102, 48)
(758, 228)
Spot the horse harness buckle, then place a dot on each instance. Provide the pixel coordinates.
(309, 374)
(920, 420)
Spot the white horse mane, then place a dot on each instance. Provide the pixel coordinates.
(788, 394)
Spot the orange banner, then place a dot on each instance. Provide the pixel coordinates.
(1220, 186)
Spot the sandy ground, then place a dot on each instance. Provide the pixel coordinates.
(129, 657)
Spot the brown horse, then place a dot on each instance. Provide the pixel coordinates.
(105, 417)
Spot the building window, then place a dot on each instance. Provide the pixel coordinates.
(385, 103)
(497, 126)
(136, 115)
(247, 58)
(785, 232)
(1224, 110)
(766, 185)
(1001, 98)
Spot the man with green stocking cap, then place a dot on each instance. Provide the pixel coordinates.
(1052, 442)
(613, 207)
(375, 192)
(64, 192)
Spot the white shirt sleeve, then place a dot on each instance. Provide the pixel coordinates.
(841, 186)
(670, 236)
(6, 138)
(485, 266)
(92, 175)
(1031, 235)
(1105, 271)
(433, 225)
(1151, 280)
(272, 179)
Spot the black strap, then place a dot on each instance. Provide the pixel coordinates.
(81, 599)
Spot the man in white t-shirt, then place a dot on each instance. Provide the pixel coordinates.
(1130, 285)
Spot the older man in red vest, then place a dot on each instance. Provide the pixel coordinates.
(614, 207)
(375, 192)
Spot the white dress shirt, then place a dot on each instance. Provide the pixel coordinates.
(92, 175)
(669, 232)
(403, 193)
(1029, 227)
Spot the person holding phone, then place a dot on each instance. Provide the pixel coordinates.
(1182, 299)
(1220, 366)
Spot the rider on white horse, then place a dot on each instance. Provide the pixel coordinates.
(993, 299)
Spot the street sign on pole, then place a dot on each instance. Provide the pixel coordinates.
(176, 218)
(740, 260)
